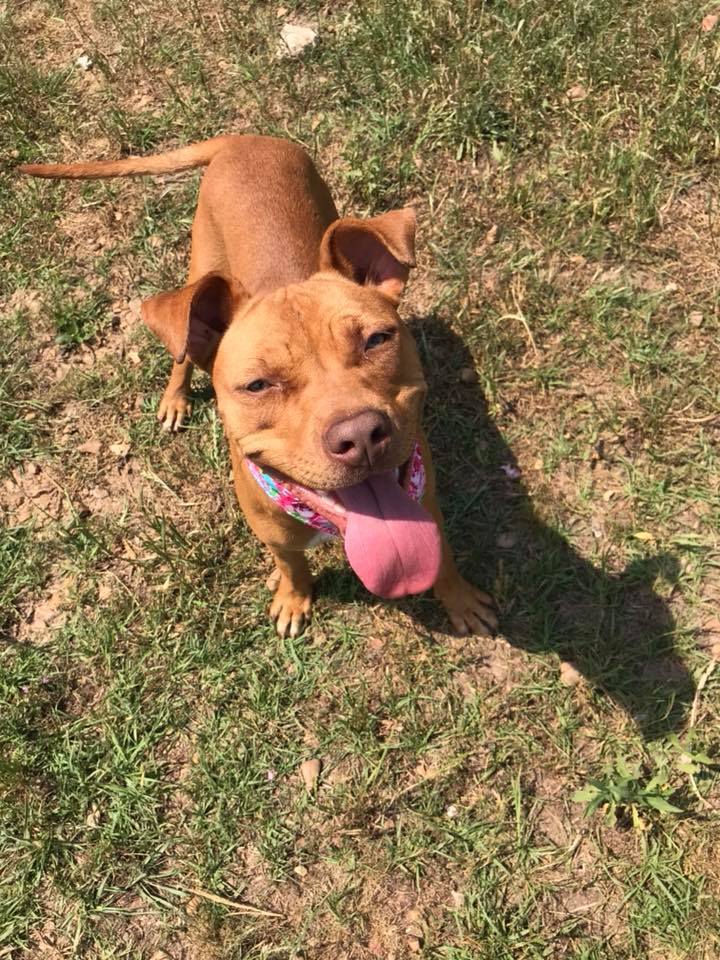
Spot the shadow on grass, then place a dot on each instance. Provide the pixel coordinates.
(614, 627)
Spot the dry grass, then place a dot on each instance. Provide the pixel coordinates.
(152, 725)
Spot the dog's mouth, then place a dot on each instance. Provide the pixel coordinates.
(391, 542)
(331, 504)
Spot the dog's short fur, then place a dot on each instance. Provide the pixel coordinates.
(294, 313)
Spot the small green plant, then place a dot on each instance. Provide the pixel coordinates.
(625, 793)
(77, 321)
(689, 760)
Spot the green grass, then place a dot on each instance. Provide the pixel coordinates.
(151, 723)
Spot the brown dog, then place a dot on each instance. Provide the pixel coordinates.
(294, 313)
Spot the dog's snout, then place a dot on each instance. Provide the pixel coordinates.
(359, 440)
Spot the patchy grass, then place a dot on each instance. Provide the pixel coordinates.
(562, 159)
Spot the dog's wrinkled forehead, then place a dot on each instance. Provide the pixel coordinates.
(321, 317)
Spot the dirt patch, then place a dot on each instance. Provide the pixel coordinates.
(49, 611)
(556, 821)
(689, 240)
(49, 493)
(33, 492)
(493, 663)
(25, 300)
(579, 887)
(87, 231)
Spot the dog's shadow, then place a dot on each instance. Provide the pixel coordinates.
(613, 627)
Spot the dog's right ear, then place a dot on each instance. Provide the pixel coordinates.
(191, 321)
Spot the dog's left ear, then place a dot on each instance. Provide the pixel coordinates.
(378, 252)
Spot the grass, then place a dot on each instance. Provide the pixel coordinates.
(562, 157)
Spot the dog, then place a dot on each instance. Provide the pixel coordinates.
(294, 313)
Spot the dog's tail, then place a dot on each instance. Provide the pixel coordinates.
(186, 158)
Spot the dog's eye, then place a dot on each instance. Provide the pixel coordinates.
(257, 386)
(375, 339)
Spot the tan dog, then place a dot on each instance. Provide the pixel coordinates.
(294, 313)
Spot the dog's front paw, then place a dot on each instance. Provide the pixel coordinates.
(173, 409)
(469, 609)
(290, 608)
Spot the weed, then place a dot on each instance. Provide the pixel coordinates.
(626, 793)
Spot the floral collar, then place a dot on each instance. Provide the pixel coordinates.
(288, 496)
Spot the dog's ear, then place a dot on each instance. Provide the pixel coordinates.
(192, 320)
(377, 252)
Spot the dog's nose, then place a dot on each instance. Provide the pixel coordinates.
(358, 440)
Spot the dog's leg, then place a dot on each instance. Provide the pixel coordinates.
(205, 255)
(292, 582)
(175, 403)
(470, 610)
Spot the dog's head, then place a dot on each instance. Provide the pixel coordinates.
(319, 380)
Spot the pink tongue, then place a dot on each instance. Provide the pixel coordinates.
(392, 544)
